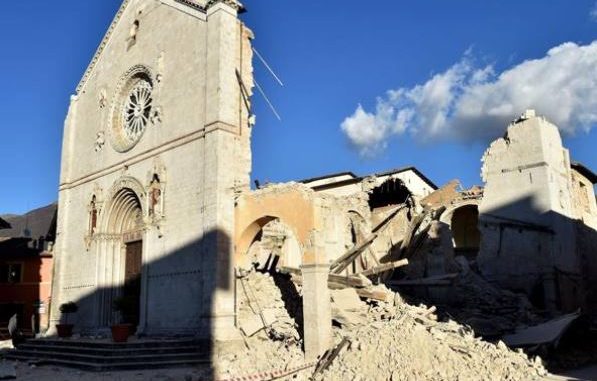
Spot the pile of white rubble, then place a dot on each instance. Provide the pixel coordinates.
(382, 341)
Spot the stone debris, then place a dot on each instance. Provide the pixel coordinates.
(403, 342)
(435, 275)
(346, 299)
(276, 344)
(374, 340)
(347, 308)
(491, 311)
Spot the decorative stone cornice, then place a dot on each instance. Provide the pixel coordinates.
(192, 4)
(235, 4)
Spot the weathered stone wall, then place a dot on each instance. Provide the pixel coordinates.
(583, 199)
(526, 217)
(197, 140)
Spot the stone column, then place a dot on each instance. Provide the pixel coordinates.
(317, 314)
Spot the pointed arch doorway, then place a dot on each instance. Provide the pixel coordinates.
(121, 258)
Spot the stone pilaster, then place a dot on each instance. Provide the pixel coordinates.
(317, 313)
(222, 131)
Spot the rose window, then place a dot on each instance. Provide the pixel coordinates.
(132, 108)
(136, 110)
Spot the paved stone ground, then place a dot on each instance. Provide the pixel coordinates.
(54, 373)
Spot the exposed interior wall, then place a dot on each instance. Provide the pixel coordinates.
(526, 216)
(583, 199)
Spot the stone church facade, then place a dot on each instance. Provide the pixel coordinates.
(156, 145)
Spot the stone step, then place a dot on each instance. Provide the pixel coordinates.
(95, 367)
(111, 345)
(111, 351)
(107, 359)
(102, 355)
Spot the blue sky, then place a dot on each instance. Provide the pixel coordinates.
(332, 56)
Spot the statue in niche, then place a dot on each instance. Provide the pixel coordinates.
(100, 140)
(102, 98)
(92, 216)
(133, 34)
(155, 195)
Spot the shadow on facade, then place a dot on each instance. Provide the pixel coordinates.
(548, 257)
(176, 297)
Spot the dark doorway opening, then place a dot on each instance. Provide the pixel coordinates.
(467, 237)
(392, 192)
(132, 281)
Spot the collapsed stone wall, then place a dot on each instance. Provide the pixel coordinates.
(380, 340)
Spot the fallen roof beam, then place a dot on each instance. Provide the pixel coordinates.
(344, 280)
(385, 267)
(367, 293)
(440, 280)
(345, 260)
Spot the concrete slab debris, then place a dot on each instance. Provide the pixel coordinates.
(546, 333)
(346, 299)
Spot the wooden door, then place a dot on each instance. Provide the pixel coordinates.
(132, 280)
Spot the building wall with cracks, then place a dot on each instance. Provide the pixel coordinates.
(532, 216)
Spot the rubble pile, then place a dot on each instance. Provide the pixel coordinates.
(380, 340)
(270, 334)
(490, 310)
(403, 342)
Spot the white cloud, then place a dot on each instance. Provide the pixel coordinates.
(470, 103)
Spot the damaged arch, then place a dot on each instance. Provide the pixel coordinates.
(266, 242)
(463, 219)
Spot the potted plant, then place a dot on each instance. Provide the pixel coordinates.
(66, 329)
(122, 331)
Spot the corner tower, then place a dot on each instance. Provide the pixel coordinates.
(526, 217)
(156, 146)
